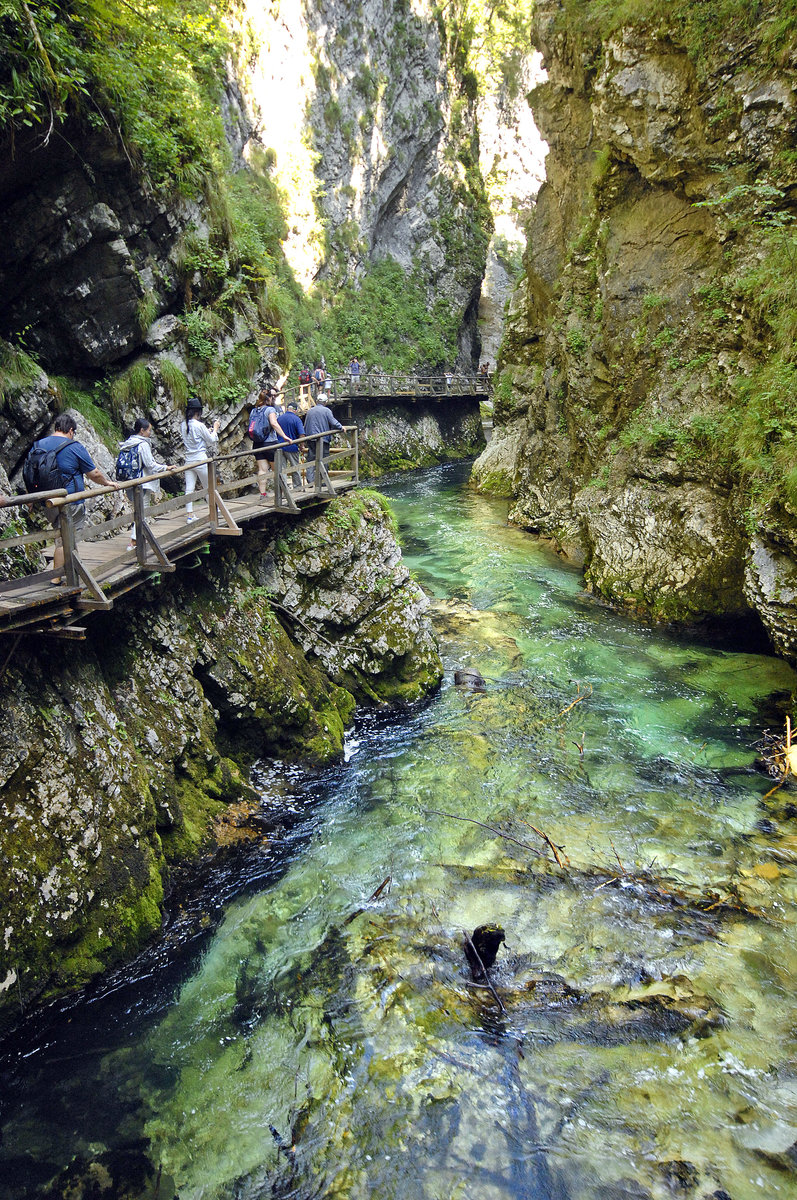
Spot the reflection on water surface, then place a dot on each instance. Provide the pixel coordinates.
(646, 1045)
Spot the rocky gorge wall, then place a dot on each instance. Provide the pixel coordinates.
(639, 422)
(403, 434)
(348, 140)
(128, 754)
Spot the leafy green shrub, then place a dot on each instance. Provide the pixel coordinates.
(384, 320)
(150, 72)
(198, 328)
(576, 341)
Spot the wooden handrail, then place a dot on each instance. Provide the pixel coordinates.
(61, 497)
(30, 498)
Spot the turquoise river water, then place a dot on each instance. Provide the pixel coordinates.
(640, 1037)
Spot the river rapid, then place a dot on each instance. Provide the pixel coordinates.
(639, 1036)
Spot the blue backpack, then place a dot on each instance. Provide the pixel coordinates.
(259, 424)
(128, 464)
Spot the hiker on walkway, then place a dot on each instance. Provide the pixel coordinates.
(305, 377)
(74, 461)
(292, 425)
(354, 374)
(138, 451)
(319, 420)
(200, 443)
(319, 375)
(265, 431)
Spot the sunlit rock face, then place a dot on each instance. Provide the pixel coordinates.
(369, 131)
(512, 160)
(630, 332)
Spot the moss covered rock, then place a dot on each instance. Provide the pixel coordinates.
(118, 756)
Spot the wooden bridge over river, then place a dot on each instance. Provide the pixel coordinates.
(98, 567)
(384, 387)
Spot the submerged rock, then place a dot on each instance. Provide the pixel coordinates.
(469, 678)
(481, 948)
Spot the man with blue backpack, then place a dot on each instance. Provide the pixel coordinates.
(266, 433)
(58, 461)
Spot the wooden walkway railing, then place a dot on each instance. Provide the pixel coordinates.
(98, 567)
(381, 385)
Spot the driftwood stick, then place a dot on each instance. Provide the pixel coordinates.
(434, 812)
(374, 896)
(554, 849)
(581, 696)
(488, 981)
(617, 856)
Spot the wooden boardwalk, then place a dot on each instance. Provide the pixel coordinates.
(98, 567)
(381, 387)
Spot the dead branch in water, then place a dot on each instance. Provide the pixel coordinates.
(434, 812)
(374, 896)
(581, 696)
(779, 756)
(554, 849)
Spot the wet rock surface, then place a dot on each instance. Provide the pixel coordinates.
(630, 332)
(117, 763)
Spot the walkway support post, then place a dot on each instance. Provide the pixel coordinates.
(282, 491)
(67, 531)
(216, 505)
(145, 536)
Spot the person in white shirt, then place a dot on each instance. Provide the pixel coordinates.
(200, 443)
(139, 441)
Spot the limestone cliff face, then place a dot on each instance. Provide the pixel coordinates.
(633, 328)
(370, 137)
(375, 144)
(119, 758)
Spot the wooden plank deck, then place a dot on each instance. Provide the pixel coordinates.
(34, 605)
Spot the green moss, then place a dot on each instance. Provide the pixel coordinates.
(705, 30)
(496, 483)
(112, 935)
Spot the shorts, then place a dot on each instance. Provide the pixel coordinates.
(77, 512)
(262, 453)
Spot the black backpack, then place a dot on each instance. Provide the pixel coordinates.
(40, 470)
(128, 464)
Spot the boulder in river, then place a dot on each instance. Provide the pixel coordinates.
(481, 949)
